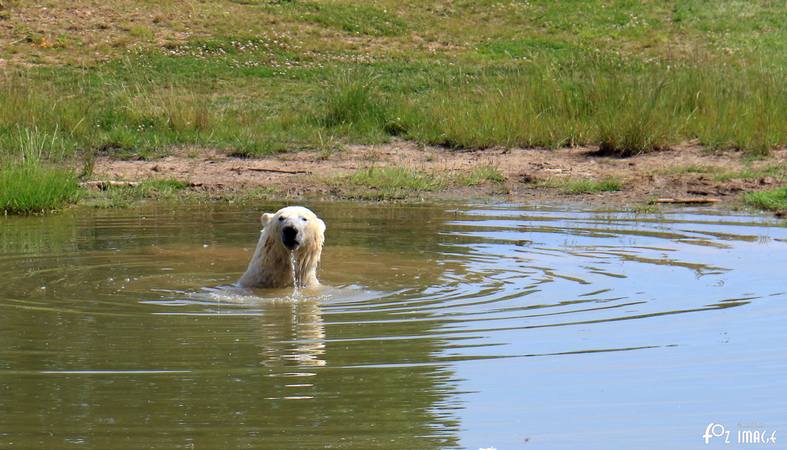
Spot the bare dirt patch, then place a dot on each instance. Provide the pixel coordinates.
(531, 174)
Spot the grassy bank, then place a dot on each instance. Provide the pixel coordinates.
(318, 75)
(252, 78)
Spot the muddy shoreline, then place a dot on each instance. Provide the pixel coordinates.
(531, 175)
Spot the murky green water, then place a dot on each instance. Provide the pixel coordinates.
(441, 327)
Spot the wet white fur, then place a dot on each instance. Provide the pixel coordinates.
(270, 267)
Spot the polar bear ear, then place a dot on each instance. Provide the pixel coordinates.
(265, 218)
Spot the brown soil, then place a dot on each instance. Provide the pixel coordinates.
(529, 172)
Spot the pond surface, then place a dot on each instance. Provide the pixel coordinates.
(440, 327)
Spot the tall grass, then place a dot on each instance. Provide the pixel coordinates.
(626, 109)
(36, 122)
(36, 134)
(524, 107)
(75, 114)
(31, 187)
(634, 121)
(485, 173)
(353, 106)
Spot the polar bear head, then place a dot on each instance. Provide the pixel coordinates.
(296, 228)
(291, 239)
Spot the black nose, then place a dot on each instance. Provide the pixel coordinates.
(289, 237)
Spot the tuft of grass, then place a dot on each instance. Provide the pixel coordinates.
(31, 187)
(632, 120)
(388, 183)
(584, 186)
(125, 196)
(355, 108)
(774, 200)
(590, 187)
(162, 187)
(486, 173)
(246, 146)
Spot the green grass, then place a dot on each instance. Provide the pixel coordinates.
(388, 183)
(353, 108)
(777, 171)
(583, 186)
(170, 191)
(774, 200)
(485, 173)
(588, 186)
(162, 187)
(394, 183)
(262, 77)
(31, 187)
(348, 17)
(124, 196)
(625, 108)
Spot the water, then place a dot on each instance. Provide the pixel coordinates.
(440, 327)
(296, 282)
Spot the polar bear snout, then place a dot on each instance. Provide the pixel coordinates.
(289, 237)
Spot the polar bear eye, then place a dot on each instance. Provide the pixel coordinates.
(304, 219)
(281, 218)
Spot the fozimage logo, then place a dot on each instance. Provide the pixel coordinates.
(744, 434)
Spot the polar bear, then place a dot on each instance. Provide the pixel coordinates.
(293, 231)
